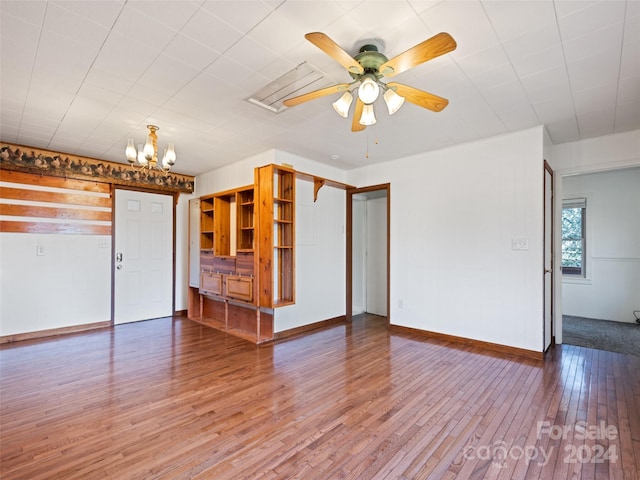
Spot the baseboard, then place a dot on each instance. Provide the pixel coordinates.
(53, 332)
(493, 347)
(180, 313)
(306, 328)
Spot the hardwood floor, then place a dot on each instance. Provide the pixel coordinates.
(174, 399)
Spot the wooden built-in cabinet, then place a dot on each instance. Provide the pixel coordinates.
(227, 291)
(247, 253)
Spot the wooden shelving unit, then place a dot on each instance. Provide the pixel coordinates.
(276, 247)
(206, 223)
(245, 221)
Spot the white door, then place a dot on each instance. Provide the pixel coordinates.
(376, 268)
(359, 252)
(143, 256)
(548, 257)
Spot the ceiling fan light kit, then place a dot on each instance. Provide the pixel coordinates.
(341, 106)
(368, 90)
(368, 68)
(393, 101)
(368, 117)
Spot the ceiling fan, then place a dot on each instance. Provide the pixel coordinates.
(368, 68)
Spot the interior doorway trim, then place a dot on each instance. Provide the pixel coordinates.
(386, 187)
(548, 269)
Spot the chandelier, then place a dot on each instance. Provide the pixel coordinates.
(147, 156)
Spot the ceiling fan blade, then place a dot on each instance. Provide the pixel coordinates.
(419, 97)
(292, 102)
(356, 126)
(334, 50)
(431, 48)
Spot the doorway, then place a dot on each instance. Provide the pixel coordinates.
(143, 259)
(368, 225)
(600, 298)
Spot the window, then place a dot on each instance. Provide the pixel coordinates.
(573, 236)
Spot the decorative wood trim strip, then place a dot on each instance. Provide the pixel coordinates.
(45, 162)
(494, 347)
(53, 332)
(54, 212)
(319, 182)
(54, 197)
(325, 181)
(50, 227)
(285, 334)
(59, 182)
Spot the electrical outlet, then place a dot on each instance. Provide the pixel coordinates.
(39, 250)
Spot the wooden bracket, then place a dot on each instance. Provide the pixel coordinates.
(318, 183)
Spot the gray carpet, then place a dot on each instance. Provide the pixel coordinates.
(601, 334)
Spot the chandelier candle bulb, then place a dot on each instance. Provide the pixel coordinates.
(170, 156)
(142, 160)
(130, 152)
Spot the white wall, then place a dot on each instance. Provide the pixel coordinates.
(608, 152)
(320, 258)
(182, 251)
(611, 288)
(70, 284)
(454, 215)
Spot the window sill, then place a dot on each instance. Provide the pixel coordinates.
(575, 279)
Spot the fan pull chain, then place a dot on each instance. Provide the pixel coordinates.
(367, 154)
(376, 141)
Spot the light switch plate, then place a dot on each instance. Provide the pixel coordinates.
(519, 244)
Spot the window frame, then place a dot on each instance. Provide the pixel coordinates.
(576, 272)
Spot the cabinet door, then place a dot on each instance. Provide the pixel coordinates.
(240, 288)
(211, 283)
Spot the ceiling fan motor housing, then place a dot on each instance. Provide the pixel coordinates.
(370, 59)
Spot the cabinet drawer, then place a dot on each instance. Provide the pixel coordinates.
(240, 288)
(211, 283)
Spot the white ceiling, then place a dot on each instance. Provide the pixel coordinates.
(81, 77)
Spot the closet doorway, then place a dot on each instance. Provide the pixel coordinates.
(368, 220)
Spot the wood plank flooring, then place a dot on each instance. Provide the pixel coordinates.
(172, 399)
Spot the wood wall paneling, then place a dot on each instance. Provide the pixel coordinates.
(53, 205)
